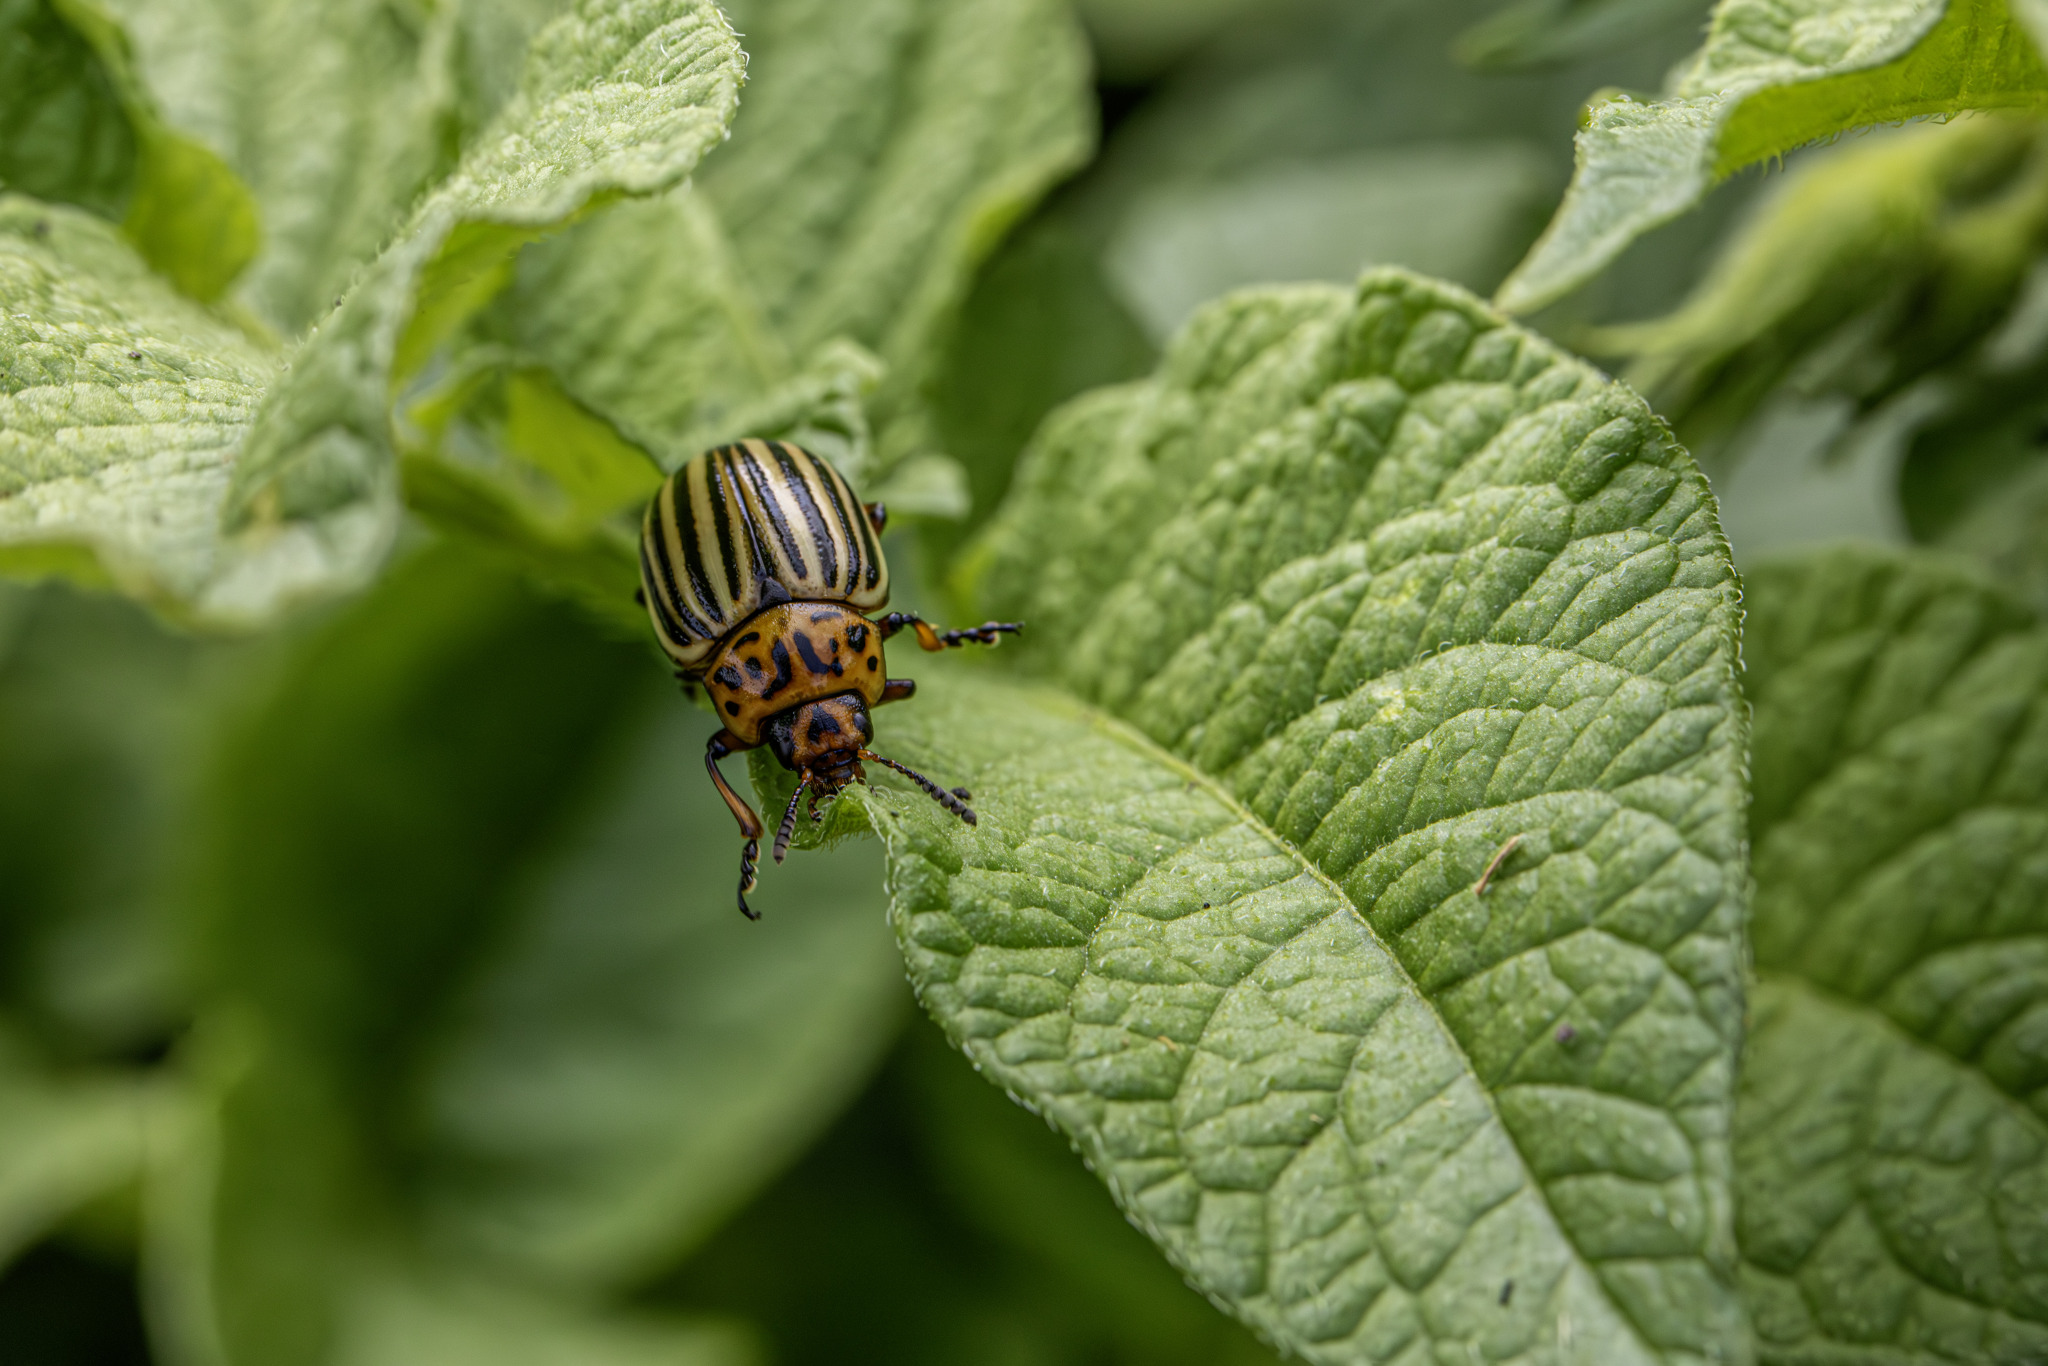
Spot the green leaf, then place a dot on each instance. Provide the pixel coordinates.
(1017, 1181)
(1975, 482)
(1872, 268)
(189, 215)
(618, 99)
(885, 148)
(78, 128)
(224, 491)
(122, 405)
(370, 85)
(1357, 591)
(637, 1059)
(1891, 1140)
(1768, 80)
(63, 133)
(101, 717)
(476, 1000)
(65, 1139)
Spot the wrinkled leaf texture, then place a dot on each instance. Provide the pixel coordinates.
(884, 150)
(190, 471)
(1359, 588)
(1892, 1134)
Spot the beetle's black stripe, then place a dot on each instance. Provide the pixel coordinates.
(833, 495)
(722, 517)
(800, 489)
(866, 567)
(682, 522)
(664, 530)
(748, 526)
(811, 658)
(763, 485)
(676, 623)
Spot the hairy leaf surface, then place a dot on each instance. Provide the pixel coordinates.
(1771, 77)
(1892, 1136)
(884, 149)
(334, 112)
(1357, 591)
(122, 407)
(235, 490)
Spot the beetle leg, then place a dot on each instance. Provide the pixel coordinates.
(788, 829)
(988, 633)
(716, 748)
(896, 690)
(878, 516)
(931, 789)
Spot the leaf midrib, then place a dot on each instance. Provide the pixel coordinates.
(1122, 733)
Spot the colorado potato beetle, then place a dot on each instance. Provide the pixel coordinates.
(758, 569)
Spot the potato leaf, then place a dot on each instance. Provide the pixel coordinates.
(1771, 78)
(1890, 1139)
(224, 490)
(1361, 887)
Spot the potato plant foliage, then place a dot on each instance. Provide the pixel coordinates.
(1457, 914)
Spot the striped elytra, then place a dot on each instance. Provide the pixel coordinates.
(746, 526)
(758, 567)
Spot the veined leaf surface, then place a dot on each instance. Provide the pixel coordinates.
(1362, 601)
(1891, 1138)
(197, 474)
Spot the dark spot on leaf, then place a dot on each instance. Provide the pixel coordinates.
(1205, 905)
(134, 355)
(42, 227)
(1507, 1291)
(1565, 1033)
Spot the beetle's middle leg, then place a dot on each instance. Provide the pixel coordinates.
(718, 747)
(988, 633)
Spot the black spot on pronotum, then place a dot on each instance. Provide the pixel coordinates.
(857, 636)
(729, 676)
(732, 709)
(871, 661)
(812, 659)
(778, 652)
(748, 639)
(754, 666)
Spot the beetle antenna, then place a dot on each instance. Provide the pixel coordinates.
(782, 836)
(931, 789)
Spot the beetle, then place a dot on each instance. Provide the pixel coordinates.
(759, 569)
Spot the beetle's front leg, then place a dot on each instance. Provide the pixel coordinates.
(716, 748)
(988, 633)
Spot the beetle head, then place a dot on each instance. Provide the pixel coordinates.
(824, 739)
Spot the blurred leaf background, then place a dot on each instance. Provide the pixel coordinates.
(370, 990)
